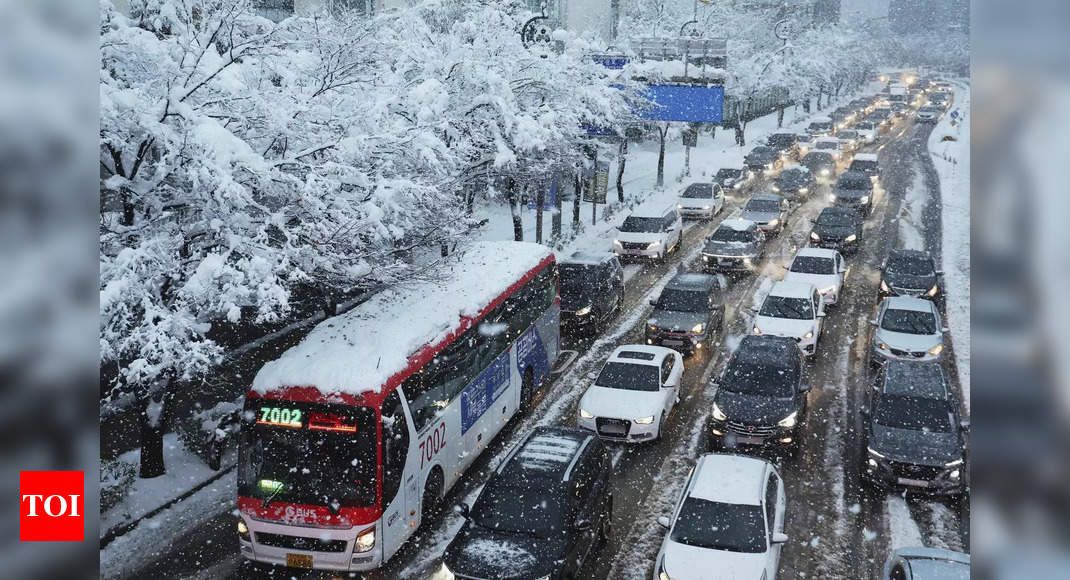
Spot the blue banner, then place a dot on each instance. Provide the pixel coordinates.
(477, 398)
(691, 103)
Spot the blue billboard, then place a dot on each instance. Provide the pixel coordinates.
(691, 103)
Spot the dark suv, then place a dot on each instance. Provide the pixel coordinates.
(762, 397)
(784, 143)
(914, 437)
(838, 228)
(543, 514)
(592, 289)
(910, 273)
(687, 314)
(854, 189)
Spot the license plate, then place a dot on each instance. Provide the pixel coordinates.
(750, 440)
(298, 560)
(613, 430)
(913, 482)
(672, 342)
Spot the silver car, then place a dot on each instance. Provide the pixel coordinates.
(926, 564)
(768, 210)
(906, 329)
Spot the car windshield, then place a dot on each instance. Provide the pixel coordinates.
(781, 140)
(683, 301)
(820, 126)
(642, 225)
(848, 134)
(805, 138)
(729, 173)
(786, 307)
(835, 219)
(752, 377)
(928, 109)
(818, 159)
(909, 322)
(854, 182)
(720, 526)
(308, 453)
(698, 191)
(863, 165)
(629, 377)
(813, 265)
(731, 235)
(793, 176)
(763, 205)
(915, 413)
(827, 145)
(866, 126)
(577, 279)
(521, 509)
(911, 266)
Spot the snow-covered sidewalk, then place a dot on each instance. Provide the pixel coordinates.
(949, 145)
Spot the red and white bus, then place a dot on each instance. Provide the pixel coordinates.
(352, 436)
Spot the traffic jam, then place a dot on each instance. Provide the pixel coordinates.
(755, 380)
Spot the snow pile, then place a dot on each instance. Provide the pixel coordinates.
(360, 350)
(952, 160)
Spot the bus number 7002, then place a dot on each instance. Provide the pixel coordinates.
(432, 444)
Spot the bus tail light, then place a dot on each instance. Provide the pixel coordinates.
(365, 541)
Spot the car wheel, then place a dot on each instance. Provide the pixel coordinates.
(606, 528)
(661, 426)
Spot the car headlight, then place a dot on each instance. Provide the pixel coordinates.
(808, 335)
(884, 286)
(616, 244)
(789, 421)
(243, 530)
(815, 237)
(645, 420)
(824, 291)
(698, 328)
(653, 328)
(663, 576)
(586, 414)
(718, 414)
(707, 207)
(705, 258)
(953, 463)
(851, 238)
(757, 330)
(774, 222)
(679, 206)
(804, 190)
(882, 346)
(584, 311)
(365, 541)
(932, 291)
(936, 349)
(864, 199)
(875, 453)
(738, 185)
(775, 188)
(654, 244)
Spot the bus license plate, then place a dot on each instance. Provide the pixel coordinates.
(298, 560)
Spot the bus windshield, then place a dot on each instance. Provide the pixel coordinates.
(307, 453)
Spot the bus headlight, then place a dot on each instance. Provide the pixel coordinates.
(586, 415)
(243, 530)
(645, 420)
(365, 541)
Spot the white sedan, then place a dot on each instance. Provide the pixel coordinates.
(825, 269)
(633, 394)
(728, 523)
(794, 310)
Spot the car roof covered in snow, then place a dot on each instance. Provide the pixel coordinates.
(403, 326)
(908, 303)
(735, 479)
(640, 354)
(866, 157)
(653, 208)
(737, 224)
(828, 139)
(692, 281)
(588, 258)
(765, 197)
(821, 120)
(817, 253)
(546, 453)
(792, 289)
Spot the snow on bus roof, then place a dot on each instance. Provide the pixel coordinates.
(359, 351)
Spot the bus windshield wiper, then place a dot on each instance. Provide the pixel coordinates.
(270, 498)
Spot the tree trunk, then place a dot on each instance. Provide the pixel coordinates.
(662, 132)
(780, 117)
(540, 197)
(622, 154)
(555, 219)
(514, 209)
(577, 198)
(153, 422)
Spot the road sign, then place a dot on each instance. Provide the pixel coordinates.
(954, 114)
(598, 184)
(693, 103)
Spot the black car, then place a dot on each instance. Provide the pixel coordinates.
(688, 314)
(591, 287)
(542, 514)
(795, 182)
(820, 163)
(867, 163)
(910, 273)
(762, 397)
(733, 179)
(783, 143)
(736, 245)
(839, 228)
(914, 436)
(762, 159)
(854, 189)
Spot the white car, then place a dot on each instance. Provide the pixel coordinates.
(867, 131)
(728, 523)
(633, 394)
(702, 200)
(795, 310)
(651, 231)
(829, 145)
(907, 329)
(825, 269)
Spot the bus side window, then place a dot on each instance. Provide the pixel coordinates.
(395, 445)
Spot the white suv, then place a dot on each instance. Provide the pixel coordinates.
(651, 231)
(794, 310)
(633, 394)
(825, 269)
(729, 522)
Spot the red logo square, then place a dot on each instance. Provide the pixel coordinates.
(51, 506)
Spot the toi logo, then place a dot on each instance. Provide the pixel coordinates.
(51, 506)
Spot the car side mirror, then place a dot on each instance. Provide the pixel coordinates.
(964, 424)
(582, 525)
(804, 388)
(462, 510)
(663, 521)
(873, 322)
(592, 375)
(653, 302)
(780, 538)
